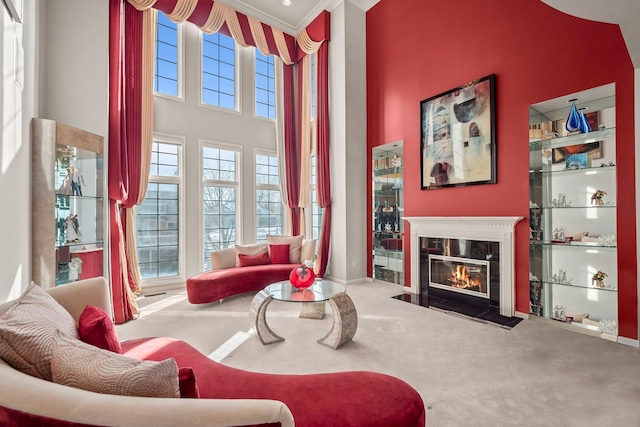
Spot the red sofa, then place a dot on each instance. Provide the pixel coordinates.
(215, 285)
(225, 279)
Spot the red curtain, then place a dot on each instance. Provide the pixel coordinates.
(291, 148)
(125, 112)
(323, 179)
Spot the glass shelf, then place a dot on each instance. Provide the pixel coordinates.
(573, 285)
(586, 171)
(60, 244)
(572, 245)
(581, 138)
(578, 207)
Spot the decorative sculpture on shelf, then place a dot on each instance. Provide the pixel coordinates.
(598, 279)
(72, 229)
(573, 121)
(597, 197)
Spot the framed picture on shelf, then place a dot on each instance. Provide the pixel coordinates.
(457, 134)
(593, 150)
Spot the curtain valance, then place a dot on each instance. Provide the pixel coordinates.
(212, 17)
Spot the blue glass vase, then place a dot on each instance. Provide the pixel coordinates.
(573, 121)
(584, 124)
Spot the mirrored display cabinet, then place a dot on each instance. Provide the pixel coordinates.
(68, 203)
(388, 208)
(573, 251)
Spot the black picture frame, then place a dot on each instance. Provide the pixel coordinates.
(458, 136)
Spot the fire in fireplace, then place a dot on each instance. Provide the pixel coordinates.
(464, 275)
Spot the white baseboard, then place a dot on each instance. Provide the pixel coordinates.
(521, 315)
(628, 341)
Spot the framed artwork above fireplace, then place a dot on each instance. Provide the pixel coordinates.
(457, 134)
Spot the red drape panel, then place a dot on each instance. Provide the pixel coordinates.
(291, 148)
(323, 181)
(125, 112)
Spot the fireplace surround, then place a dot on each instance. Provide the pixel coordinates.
(495, 232)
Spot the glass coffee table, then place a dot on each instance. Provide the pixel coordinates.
(313, 298)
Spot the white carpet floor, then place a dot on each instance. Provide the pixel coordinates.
(468, 373)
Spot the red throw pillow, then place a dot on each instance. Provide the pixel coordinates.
(187, 382)
(279, 254)
(247, 260)
(95, 327)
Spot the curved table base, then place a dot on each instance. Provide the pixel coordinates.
(257, 316)
(345, 321)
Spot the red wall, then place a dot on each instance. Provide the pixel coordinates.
(417, 49)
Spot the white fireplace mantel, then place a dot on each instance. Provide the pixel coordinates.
(491, 228)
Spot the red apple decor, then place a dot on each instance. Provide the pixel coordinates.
(302, 277)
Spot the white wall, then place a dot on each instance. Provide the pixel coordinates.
(195, 123)
(347, 68)
(18, 106)
(74, 66)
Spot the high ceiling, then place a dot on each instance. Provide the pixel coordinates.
(626, 13)
(293, 18)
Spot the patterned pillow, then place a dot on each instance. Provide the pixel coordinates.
(26, 331)
(81, 365)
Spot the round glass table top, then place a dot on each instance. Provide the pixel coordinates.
(321, 290)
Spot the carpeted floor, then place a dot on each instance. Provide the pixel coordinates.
(468, 373)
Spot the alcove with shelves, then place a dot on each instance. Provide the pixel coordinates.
(68, 203)
(388, 208)
(572, 175)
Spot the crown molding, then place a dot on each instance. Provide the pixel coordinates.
(242, 7)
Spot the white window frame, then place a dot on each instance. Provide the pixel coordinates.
(238, 86)
(255, 84)
(312, 200)
(180, 180)
(180, 97)
(257, 152)
(237, 184)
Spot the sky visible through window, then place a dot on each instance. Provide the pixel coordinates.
(219, 71)
(165, 79)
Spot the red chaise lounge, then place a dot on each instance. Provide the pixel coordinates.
(228, 396)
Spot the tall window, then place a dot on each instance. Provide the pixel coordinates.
(313, 86)
(268, 201)
(265, 86)
(316, 211)
(219, 71)
(158, 217)
(166, 79)
(220, 196)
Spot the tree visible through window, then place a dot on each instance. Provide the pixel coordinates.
(268, 200)
(219, 199)
(157, 218)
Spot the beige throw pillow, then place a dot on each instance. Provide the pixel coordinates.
(255, 249)
(225, 258)
(80, 365)
(294, 242)
(26, 331)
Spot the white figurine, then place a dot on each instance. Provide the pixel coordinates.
(72, 228)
